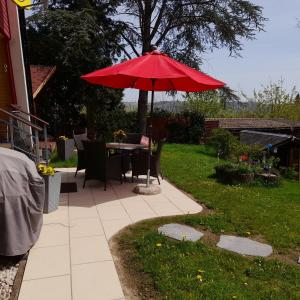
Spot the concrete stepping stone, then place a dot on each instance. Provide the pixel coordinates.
(244, 246)
(180, 232)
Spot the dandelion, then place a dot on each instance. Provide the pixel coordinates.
(199, 277)
(248, 232)
(234, 297)
(201, 271)
(158, 245)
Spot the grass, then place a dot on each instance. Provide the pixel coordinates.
(170, 271)
(56, 162)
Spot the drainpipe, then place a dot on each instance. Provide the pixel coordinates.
(24, 42)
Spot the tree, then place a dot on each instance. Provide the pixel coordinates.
(76, 41)
(274, 101)
(185, 29)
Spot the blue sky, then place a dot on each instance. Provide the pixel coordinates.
(273, 55)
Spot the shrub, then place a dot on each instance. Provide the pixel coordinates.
(110, 121)
(224, 142)
(288, 173)
(195, 126)
(186, 127)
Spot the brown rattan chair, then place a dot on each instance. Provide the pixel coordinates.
(140, 162)
(99, 165)
(78, 139)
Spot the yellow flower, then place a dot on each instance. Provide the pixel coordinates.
(201, 271)
(62, 137)
(199, 277)
(158, 245)
(234, 297)
(45, 170)
(248, 232)
(245, 283)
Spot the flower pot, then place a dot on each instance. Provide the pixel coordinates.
(65, 148)
(246, 178)
(52, 192)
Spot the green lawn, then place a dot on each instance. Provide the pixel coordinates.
(56, 162)
(170, 271)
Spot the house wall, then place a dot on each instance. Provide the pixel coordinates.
(16, 54)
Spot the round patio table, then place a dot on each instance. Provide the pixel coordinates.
(125, 146)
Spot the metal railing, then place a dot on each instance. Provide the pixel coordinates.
(23, 134)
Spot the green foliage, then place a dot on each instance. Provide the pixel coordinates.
(186, 127)
(76, 41)
(288, 173)
(224, 142)
(109, 121)
(212, 104)
(273, 101)
(56, 162)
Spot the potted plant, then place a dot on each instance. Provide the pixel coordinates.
(65, 147)
(52, 187)
(245, 173)
(119, 135)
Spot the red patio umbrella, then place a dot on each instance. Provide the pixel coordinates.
(154, 71)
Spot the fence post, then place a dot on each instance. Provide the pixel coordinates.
(37, 146)
(46, 144)
(11, 132)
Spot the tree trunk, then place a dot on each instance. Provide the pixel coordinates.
(142, 111)
(143, 96)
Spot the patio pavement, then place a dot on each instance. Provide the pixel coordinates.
(72, 259)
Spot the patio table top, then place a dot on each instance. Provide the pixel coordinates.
(125, 146)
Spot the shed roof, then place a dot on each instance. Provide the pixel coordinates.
(254, 123)
(263, 139)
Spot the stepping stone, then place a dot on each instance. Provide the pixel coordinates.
(180, 232)
(244, 246)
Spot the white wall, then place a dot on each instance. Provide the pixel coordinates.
(17, 57)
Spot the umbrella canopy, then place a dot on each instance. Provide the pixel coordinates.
(153, 71)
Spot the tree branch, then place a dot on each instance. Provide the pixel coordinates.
(130, 44)
(158, 20)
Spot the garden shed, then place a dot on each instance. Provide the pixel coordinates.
(287, 147)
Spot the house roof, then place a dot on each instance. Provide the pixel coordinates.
(254, 123)
(263, 139)
(40, 75)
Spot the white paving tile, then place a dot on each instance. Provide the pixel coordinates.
(96, 281)
(89, 249)
(111, 227)
(47, 262)
(58, 288)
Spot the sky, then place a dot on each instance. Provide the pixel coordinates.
(273, 55)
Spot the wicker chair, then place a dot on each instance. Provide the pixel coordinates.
(78, 139)
(140, 163)
(133, 138)
(99, 165)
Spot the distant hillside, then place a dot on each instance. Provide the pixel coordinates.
(170, 106)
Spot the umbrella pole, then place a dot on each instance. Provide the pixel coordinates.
(150, 134)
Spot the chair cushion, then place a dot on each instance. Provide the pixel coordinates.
(144, 140)
(78, 138)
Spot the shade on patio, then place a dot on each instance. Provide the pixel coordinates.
(153, 71)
